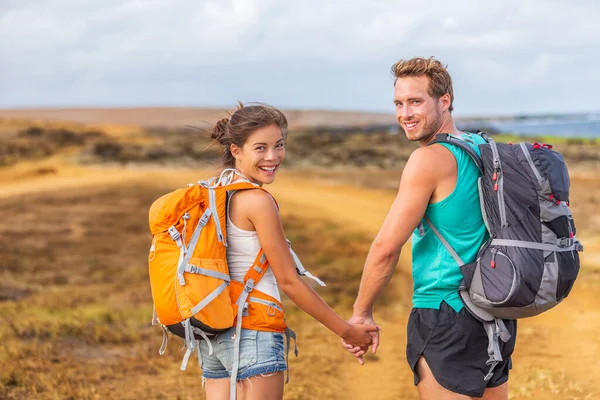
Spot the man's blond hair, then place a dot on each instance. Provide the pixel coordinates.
(440, 81)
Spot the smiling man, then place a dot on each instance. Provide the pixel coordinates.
(446, 346)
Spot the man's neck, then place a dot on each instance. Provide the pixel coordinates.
(447, 127)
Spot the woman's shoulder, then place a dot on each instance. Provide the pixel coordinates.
(254, 198)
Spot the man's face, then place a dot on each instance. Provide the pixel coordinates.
(419, 114)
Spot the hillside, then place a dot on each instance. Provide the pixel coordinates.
(176, 117)
(75, 303)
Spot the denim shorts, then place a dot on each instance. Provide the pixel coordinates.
(260, 353)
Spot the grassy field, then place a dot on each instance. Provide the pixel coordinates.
(75, 299)
(75, 302)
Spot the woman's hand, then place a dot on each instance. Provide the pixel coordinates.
(360, 335)
(359, 351)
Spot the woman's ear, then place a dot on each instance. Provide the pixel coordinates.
(235, 151)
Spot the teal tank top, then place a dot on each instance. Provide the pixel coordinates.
(458, 217)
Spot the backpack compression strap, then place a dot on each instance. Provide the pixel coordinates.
(253, 276)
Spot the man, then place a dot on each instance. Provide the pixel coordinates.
(446, 346)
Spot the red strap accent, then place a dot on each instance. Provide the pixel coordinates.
(551, 196)
(496, 186)
(494, 176)
(493, 264)
(536, 145)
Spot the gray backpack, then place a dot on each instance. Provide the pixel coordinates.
(531, 260)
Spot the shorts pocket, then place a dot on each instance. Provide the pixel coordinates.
(278, 346)
(248, 348)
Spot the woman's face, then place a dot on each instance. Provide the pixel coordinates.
(262, 154)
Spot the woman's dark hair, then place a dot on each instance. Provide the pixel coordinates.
(243, 123)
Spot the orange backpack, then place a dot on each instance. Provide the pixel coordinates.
(194, 296)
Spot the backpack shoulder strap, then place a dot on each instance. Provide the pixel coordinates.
(453, 140)
(256, 271)
(447, 245)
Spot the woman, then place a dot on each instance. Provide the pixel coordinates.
(253, 143)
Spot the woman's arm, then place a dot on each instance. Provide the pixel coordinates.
(260, 209)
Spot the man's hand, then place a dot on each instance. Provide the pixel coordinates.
(359, 352)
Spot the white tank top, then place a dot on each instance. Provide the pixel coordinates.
(243, 246)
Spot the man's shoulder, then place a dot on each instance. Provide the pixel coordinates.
(433, 160)
(430, 153)
(433, 155)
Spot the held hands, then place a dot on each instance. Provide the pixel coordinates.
(357, 348)
(360, 335)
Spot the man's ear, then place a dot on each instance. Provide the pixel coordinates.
(446, 100)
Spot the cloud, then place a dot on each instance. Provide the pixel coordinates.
(505, 57)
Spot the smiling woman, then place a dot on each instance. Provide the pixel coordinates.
(254, 138)
(250, 360)
(252, 142)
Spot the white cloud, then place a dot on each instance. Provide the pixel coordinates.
(504, 56)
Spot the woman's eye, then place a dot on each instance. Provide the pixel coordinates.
(280, 145)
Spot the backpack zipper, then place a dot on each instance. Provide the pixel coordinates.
(571, 233)
(531, 164)
(268, 303)
(513, 288)
(499, 186)
(481, 205)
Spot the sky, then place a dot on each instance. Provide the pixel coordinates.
(505, 57)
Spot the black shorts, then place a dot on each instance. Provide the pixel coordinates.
(455, 348)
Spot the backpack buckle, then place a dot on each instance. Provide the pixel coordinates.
(174, 233)
(205, 217)
(249, 286)
(565, 242)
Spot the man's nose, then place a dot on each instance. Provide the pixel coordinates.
(407, 112)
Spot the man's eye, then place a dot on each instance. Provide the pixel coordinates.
(281, 145)
(416, 102)
(261, 148)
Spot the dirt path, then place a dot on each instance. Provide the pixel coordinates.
(384, 375)
(557, 354)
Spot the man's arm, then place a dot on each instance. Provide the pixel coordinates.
(419, 180)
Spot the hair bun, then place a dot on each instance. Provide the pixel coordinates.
(220, 130)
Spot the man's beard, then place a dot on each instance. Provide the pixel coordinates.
(431, 127)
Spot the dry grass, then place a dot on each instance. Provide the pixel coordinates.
(76, 300)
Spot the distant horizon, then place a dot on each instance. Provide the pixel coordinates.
(544, 114)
